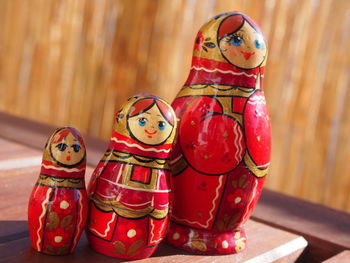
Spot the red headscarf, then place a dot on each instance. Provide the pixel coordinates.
(216, 69)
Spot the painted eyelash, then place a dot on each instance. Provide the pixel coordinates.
(229, 37)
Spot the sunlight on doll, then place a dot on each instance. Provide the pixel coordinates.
(130, 190)
(57, 208)
(241, 44)
(222, 152)
(148, 124)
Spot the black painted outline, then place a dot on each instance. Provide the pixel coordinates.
(214, 113)
(49, 144)
(140, 182)
(128, 117)
(218, 40)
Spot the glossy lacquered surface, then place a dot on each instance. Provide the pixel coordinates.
(222, 151)
(57, 208)
(130, 188)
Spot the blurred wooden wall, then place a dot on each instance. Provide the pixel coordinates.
(70, 62)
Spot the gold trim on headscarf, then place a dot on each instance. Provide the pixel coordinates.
(47, 153)
(209, 31)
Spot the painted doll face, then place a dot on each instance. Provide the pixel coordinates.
(245, 48)
(68, 150)
(150, 127)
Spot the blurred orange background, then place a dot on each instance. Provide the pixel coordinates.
(75, 62)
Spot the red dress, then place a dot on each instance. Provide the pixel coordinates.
(57, 208)
(129, 198)
(221, 154)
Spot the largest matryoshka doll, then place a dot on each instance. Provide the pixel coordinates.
(222, 152)
(130, 190)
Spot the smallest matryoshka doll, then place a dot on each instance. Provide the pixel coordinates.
(129, 190)
(57, 208)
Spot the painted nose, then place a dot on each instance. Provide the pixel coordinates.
(250, 45)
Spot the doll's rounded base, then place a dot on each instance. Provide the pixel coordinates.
(119, 249)
(206, 242)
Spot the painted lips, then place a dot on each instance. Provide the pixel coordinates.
(68, 158)
(150, 133)
(247, 55)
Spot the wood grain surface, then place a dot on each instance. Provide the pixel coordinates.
(74, 62)
(326, 230)
(340, 258)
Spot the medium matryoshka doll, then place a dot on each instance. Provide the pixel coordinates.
(129, 190)
(222, 152)
(57, 208)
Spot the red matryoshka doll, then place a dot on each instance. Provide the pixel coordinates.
(57, 208)
(129, 190)
(222, 152)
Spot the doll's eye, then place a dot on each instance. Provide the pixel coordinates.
(142, 121)
(76, 147)
(236, 40)
(258, 44)
(61, 146)
(161, 125)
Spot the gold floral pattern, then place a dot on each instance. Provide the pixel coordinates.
(240, 242)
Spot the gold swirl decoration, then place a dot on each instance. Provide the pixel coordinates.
(127, 212)
(214, 90)
(128, 158)
(258, 171)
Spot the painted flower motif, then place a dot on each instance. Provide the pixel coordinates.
(57, 238)
(240, 242)
(119, 116)
(129, 231)
(64, 207)
(236, 199)
(202, 43)
(199, 41)
(222, 244)
(228, 222)
(195, 242)
(177, 237)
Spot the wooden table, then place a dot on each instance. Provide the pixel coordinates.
(278, 230)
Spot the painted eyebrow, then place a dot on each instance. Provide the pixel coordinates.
(147, 112)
